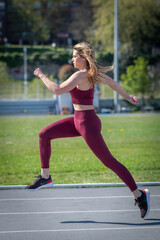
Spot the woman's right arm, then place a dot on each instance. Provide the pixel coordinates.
(66, 86)
(49, 84)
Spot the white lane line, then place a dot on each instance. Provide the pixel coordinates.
(68, 198)
(73, 212)
(80, 229)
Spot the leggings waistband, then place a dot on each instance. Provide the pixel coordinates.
(84, 114)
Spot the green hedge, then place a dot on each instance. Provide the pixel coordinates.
(14, 56)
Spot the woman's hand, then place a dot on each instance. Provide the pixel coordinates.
(38, 72)
(133, 100)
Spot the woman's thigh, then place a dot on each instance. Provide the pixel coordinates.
(60, 129)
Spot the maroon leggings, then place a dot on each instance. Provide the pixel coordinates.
(88, 125)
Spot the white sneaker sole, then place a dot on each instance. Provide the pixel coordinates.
(148, 201)
(43, 186)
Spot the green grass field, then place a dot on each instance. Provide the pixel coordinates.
(133, 140)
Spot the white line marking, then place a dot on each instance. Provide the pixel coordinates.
(81, 229)
(82, 185)
(73, 212)
(67, 198)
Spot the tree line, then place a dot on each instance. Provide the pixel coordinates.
(139, 21)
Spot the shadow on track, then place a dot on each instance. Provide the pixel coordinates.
(119, 223)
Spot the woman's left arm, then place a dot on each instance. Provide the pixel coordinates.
(104, 79)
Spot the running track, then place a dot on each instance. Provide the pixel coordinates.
(77, 214)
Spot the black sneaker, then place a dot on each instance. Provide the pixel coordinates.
(144, 202)
(40, 183)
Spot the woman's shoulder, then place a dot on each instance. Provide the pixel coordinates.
(80, 75)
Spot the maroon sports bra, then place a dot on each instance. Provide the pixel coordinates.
(82, 97)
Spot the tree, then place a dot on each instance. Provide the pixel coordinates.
(139, 23)
(103, 23)
(82, 20)
(33, 26)
(40, 20)
(137, 78)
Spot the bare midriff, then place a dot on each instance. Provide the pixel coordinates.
(78, 107)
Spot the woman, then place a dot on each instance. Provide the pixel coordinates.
(85, 122)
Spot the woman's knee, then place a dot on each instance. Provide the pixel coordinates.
(43, 133)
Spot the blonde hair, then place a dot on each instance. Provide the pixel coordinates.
(85, 50)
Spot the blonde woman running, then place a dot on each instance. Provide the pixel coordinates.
(85, 122)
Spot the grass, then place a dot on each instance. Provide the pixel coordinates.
(133, 140)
